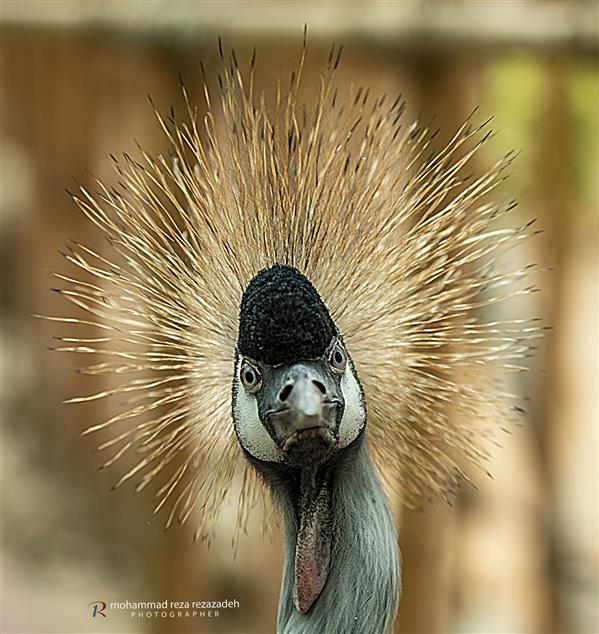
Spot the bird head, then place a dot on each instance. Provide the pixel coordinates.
(296, 396)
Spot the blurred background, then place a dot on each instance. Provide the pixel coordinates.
(520, 554)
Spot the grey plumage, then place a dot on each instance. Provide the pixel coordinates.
(363, 588)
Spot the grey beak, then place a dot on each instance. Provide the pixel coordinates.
(304, 399)
(305, 402)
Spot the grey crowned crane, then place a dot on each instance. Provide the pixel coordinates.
(298, 297)
(300, 416)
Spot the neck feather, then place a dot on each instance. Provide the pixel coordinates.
(363, 584)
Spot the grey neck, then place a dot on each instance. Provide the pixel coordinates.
(363, 584)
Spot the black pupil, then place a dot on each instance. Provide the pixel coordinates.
(249, 376)
(338, 357)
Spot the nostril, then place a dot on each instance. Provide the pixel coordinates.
(320, 386)
(285, 392)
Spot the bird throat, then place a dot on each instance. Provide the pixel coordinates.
(341, 570)
(313, 546)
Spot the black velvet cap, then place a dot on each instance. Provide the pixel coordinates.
(282, 318)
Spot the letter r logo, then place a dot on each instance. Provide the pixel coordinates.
(97, 607)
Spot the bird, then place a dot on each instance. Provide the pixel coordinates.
(298, 298)
(299, 415)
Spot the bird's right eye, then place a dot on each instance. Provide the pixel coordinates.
(250, 376)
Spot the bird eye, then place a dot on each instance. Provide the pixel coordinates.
(250, 377)
(338, 359)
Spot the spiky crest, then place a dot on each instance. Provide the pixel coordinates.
(400, 247)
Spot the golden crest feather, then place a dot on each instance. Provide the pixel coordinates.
(400, 246)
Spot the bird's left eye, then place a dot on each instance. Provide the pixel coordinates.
(338, 359)
(250, 377)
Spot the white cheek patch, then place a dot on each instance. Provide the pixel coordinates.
(249, 428)
(354, 414)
